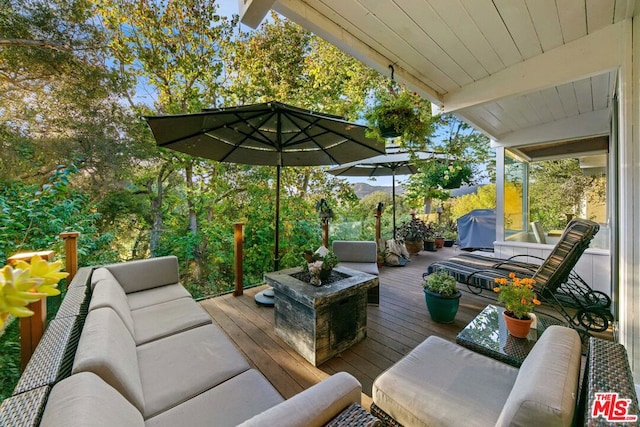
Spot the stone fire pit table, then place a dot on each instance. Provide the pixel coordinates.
(320, 322)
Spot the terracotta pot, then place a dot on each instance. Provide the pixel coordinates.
(439, 242)
(518, 328)
(413, 247)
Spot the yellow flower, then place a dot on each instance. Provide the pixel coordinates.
(26, 283)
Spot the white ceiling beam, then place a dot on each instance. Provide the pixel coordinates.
(585, 125)
(322, 26)
(588, 56)
(252, 12)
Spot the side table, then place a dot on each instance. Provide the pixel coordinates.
(487, 334)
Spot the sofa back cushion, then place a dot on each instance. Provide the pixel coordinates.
(144, 274)
(355, 251)
(107, 349)
(546, 389)
(109, 293)
(85, 399)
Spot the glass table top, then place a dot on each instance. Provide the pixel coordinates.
(487, 334)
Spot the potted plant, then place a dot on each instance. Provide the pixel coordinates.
(320, 264)
(398, 112)
(413, 233)
(519, 299)
(442, 296)
(429, 238)
(450, 234)
(439, 239)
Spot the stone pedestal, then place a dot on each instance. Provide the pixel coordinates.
(320, 322)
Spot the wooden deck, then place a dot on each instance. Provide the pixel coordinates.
(395, 327)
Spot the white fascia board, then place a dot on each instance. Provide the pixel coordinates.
(322, 26)
(252, 12)
(586, 125)
(593, 54)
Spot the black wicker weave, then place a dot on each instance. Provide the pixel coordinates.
(53, 358)
(386, 419)
(608, 371)
(354, 416)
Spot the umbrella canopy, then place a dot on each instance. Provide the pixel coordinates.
(271, 133)
(400, 163)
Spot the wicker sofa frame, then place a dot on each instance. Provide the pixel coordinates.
(53, 358)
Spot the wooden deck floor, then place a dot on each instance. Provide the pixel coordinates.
(395, 327)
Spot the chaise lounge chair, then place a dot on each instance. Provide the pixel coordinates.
(556, 282)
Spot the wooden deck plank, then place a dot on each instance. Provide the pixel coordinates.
(395, 327)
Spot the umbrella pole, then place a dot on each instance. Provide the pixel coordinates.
(276, 259)
(393, 198)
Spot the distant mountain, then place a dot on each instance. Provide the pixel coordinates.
(362, 189)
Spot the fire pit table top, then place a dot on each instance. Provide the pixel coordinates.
(314, 296)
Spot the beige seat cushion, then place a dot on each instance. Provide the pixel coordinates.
(107, 349)
(545, 392)
(444, 384)
(86, 400)
(100, 274)
(228, 404)
(179, 367)
(157, 295)
(168, 318)
(365, 267)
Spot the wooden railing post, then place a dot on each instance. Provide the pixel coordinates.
(325, 233)
(31, 328)
(71, 252)
(238, 239)
(378, 216)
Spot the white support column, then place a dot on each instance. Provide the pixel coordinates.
(629, 195)
(499, 193)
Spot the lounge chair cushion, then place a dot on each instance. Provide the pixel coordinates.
(99, 274)
(86, 400)
(441, 383)
(545, 392)
(228, 404)
(179, 367)
(107, 349)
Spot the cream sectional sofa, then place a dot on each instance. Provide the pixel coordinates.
(149, 355)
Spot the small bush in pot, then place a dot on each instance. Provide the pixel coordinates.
(442, 296)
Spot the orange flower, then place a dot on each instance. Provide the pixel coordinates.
(517, 294)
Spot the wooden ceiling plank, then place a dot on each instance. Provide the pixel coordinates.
(600, 87)
(457, 18)
(388, 24)
(481, 124)
(546, 22)
(573, 19)
(538, 103)
(331, 27)
(599, 14)
(582, 126)
(584, 96)
(512, 107)
(516, 17)
(429, 22)
(591, 55)
(504, 116)
(552, 99)
(489, 22)
(568, 98)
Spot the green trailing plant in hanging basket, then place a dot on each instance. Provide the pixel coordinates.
(398, 112)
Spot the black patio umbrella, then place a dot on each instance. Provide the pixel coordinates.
(399, 163)
(271, 133)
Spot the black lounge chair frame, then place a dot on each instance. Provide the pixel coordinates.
(556, 282)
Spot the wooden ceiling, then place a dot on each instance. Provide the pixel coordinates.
(518, 70)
